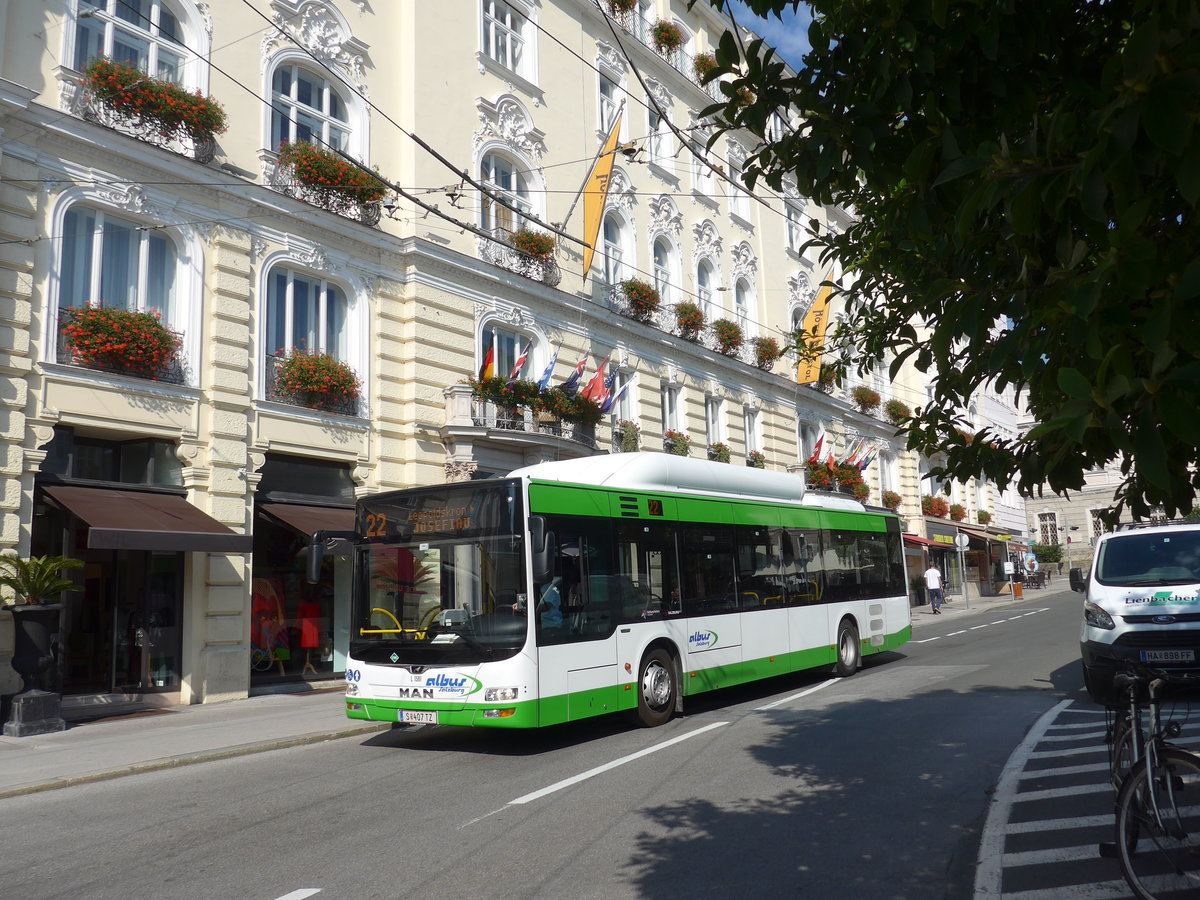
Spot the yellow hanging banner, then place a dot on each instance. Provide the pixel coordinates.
(595, 194)
(815, 320)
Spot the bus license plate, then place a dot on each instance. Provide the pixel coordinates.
(417, 716)
(1179, 656)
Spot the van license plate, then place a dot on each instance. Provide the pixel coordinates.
(1179, 656)
(417, 716)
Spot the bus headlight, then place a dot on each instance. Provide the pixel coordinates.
(498, 695)
(1095, 616)
(351, 689)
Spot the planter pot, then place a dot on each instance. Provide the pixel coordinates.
(35, 711)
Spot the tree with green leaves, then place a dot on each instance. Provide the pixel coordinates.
(1023, 179)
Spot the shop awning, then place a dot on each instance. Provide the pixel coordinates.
(978, 534)
(144, 520)
(307, 519)
(919, 541)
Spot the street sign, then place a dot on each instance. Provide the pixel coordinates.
(961, 541)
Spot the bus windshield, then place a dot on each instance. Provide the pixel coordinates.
(441, 576)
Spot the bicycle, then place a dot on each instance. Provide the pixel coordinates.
(1158, 790)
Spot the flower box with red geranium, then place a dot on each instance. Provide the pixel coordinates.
(958, 512)
(622, 6)
(331, 182)
(865, 399)
(120, 340)
(160, 105)
(729, 336)
(629, 436)
(703, 64)
(984, 517)
(896, 411)
(666, 36)
(642, 298)
(677, 442)
(756, 459)
(719, 452)
(842, 477)
(935, 506)
(316, 380)
(766, 351)
(891, 500)
(690, 319)
(534, 243)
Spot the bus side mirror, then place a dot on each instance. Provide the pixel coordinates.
(541, 542)
(1078, 582)
(327, 543)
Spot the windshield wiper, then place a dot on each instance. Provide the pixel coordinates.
(470, 641)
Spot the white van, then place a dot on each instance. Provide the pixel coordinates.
(1141, 603)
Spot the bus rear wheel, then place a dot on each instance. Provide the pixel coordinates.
(849, 650)
(656, 688)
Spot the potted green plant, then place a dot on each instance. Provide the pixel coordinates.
(667, 36)
(690, 319)
(766, 351)
(331, 181)
(984, 517)
(584, 411)
(719, 452)
(629, 436)
(756, 459)
(827, 377)
(33, 582)
(891, 500)
(119, 340)
(642, 297)
(677, 442)
(702, 65)
(866, 399)
(896, 411)
(160, 105)
(316, 380)
(534, 243)
(729, 336)
(958, 512)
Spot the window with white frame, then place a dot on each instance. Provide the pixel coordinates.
(145, 34)
(610, 101)
(703, 180)
(664, 269)
(506, 36)
(623, 407)
(307, 313)
(889, 475)
(741, 305)
(982, 493)
(507, 343)
(714, 419)
(795, 225)
(753, 429)
(506, 179)
(111, 261)
(806, 439)
(704, 290)
(1048, 528)
(739, 200)
(659, 144)
(614, 249)
(669, 397)
(307, 107)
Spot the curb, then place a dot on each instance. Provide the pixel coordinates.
(202, 756)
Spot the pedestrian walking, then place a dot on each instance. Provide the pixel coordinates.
(933, 584)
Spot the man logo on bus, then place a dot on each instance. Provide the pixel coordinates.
(703, 640)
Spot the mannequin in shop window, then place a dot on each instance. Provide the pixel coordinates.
(268, 636)
(308, 616)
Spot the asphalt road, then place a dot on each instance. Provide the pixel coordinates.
(875, 786)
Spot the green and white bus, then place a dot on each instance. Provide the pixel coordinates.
(656, 577)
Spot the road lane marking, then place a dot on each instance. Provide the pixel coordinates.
(1076, 736)
(1078, 790)
(1100, 890)
(991, 845)
(811, 690)
(300, 894)
(953, 633)
(927, 640)
(608, 766)
(1065, 770)
(1052, 855)
(977, 627)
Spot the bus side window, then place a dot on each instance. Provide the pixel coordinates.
(645, 582)
(803, 567)
(582, 563)
(758, 581)
(709, 584)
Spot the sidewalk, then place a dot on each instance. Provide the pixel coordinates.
(1057, 593)
(173, 736)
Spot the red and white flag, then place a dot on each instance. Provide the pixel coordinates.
(596, 390)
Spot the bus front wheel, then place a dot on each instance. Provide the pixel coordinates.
(849, 650)
(656, 688)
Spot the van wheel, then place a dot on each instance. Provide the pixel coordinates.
(849, 650)
(656, 688)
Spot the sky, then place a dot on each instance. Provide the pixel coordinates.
(789, 37)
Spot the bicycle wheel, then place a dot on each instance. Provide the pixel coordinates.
(1160, 853)
(1121, 751)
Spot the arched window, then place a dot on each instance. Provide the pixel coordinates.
(506, 179)
(111, 261)
(663, 269)
(146, 34)
(704, 289)
(306, 312)
(307, 107)
(508, 344)
(614, 249)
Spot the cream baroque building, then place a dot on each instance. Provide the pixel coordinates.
(191, 495)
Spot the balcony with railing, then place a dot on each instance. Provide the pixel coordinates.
(472, 422)
(504, 250)
(342, 403)
(641, 29)
(141, 348)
